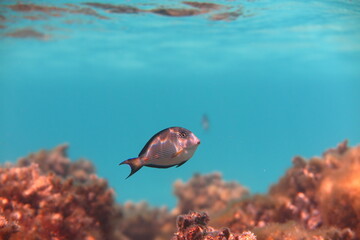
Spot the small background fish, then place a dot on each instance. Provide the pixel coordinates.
(205, 122)
(170, 147)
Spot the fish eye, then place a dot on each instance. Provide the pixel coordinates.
(182, 134)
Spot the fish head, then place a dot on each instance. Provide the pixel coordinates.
(186, 139)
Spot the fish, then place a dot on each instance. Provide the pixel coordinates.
(170, 147)
(205, 122)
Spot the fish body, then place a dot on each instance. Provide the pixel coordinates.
(170, 147)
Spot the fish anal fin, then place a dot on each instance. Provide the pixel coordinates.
(181, 163)
(134, 163)
(159, 166)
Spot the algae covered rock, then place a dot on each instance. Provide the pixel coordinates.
(206, 193)
(194, 226)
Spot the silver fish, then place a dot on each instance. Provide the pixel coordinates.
(170, 147)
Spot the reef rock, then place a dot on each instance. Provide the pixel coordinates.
(206, 193)
(35, 206)
(193, 226)
(316, 199)
(56, 161)
(47, 196)
(144, 222)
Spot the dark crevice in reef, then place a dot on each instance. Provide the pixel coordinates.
(47, 196)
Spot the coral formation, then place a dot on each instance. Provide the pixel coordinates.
(46, 196)
(194, 226)
(321, 194)
(56, 161)
(293, 231)
(145, 222)
(206, 193)
(46, 206)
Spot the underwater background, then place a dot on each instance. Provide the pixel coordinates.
(275, 79)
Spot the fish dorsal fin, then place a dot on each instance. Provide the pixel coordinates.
(145, 148)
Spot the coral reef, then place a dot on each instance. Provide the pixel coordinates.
(144, 222)
(293, 231)
(56, 161)
(317, 199)
(206, 193)
(47, 196)
(194, 226)
(38, 206)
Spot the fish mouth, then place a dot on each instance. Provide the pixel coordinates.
(195, 145)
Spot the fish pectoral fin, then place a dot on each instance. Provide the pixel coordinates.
(178, 153)
(181, 163)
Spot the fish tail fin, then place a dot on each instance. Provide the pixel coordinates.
(134, 163)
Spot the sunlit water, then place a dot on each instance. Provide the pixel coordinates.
(280, 80)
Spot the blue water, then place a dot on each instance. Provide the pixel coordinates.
(281, 80)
